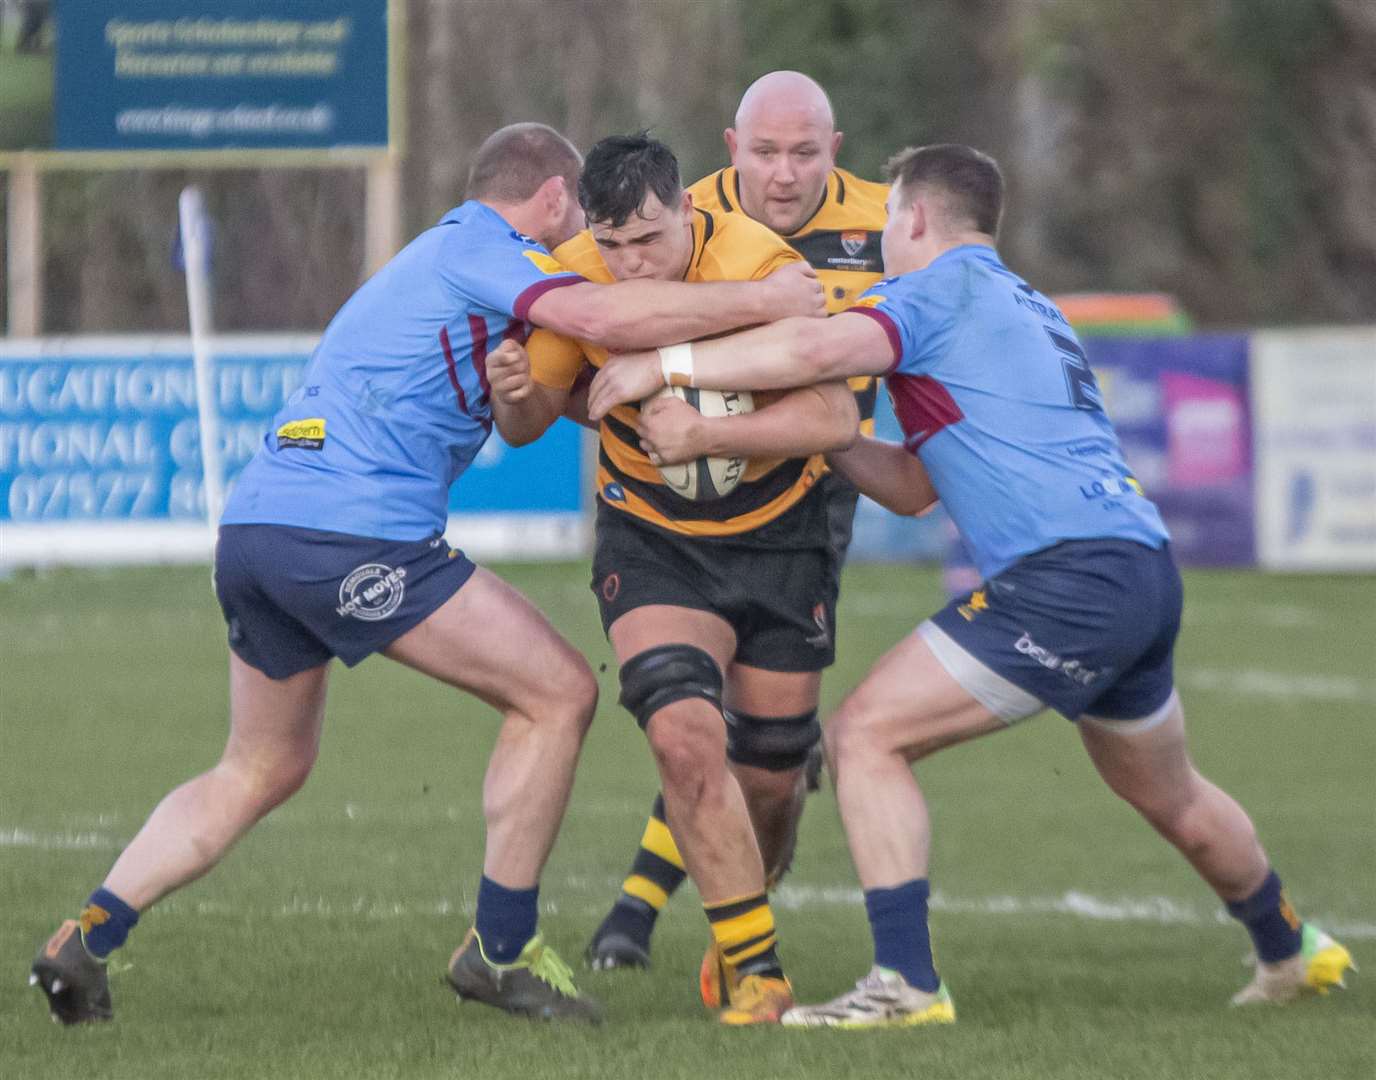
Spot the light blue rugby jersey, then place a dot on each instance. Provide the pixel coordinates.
(996, 398)
(393, 405)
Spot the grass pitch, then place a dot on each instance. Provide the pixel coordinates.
(1076, 944)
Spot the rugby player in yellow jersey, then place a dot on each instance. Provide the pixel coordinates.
(783, 174)
(706, 603)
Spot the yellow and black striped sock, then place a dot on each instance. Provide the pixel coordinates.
(744, 932)
(658, 867)
(655, 874)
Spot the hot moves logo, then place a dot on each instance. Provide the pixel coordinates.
(372, 592)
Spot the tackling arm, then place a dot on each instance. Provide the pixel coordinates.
(643, 313)
(522, 407)
(788, 353)
(810, 420)
(888, 474)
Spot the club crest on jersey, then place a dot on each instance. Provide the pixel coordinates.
(852, 243)
(613, 492)
(371, 592)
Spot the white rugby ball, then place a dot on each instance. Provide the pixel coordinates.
(707, 478)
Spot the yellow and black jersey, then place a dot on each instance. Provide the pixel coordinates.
(729, 247)
(841, 241)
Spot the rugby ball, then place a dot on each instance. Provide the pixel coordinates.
(707, 478)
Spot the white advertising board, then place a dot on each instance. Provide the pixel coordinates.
(1314, 417)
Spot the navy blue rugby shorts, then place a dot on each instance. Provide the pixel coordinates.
(293, 598)
(1086, 627)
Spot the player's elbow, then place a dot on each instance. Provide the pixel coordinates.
(517, 431)
(515, 437)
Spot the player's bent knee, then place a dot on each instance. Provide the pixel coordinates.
(657, 678)
(690, 761)
(774, 743)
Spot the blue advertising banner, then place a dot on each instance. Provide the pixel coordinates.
(221, 74)
(1180, 406)
(104, 431)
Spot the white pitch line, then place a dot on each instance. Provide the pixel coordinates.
(64, 841)
(1160, 910)
(1256, 682)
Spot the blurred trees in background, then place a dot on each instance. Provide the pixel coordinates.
(1221, 150)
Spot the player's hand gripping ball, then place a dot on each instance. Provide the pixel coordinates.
(668, 434)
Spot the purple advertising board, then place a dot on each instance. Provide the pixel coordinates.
(1180, 406)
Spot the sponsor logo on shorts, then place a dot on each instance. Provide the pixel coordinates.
(821, 639)
(372, 592)
(302, 434)
(1071, 669)
(978, 602)
(611, 585)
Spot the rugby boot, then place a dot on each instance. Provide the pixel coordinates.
(621, 941)
(537, 984)
(713, 974)
(882, 999)
(73, 980)
(757, 999)
(1315, 969)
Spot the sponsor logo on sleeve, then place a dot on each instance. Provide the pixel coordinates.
(546, 264)
(301, 434)
(870, 300)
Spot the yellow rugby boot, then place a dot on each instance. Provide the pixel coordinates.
(1319, 966)
(757, 999)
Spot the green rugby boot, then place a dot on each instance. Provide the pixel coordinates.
(537, 984)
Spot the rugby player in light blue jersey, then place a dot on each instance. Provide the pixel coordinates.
(332, 545)
(1080, 602)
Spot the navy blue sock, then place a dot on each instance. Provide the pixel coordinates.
(1269, 918)
(105, 922)
(902, 943)
(505, 920)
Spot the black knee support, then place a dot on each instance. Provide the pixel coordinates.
(776, 743)
(665, 674)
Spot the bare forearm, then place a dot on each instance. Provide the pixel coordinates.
(888, 474)
(524, 421)
(811, 420)
(644, 314)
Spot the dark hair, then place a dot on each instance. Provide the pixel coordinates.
(621, 171)
(515, 160)
(969, 179)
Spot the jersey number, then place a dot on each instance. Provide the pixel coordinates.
(1079, 380)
